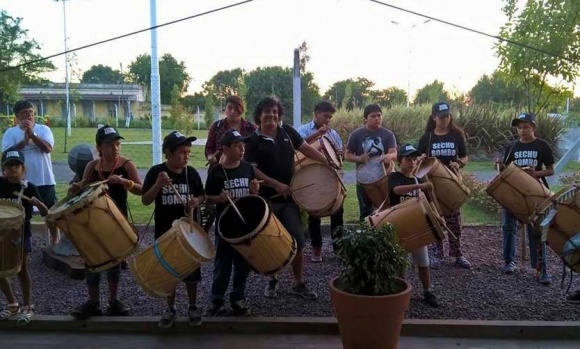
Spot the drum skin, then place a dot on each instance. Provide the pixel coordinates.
(11, 238)
(373, 177)
(325, 146)
(323, 192)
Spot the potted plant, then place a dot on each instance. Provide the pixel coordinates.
(370, 297)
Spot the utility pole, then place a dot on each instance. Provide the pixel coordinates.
(155, 87)
(297, 93)
(67, 78)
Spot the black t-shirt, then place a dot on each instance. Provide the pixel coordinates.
(397, 179)
(536, 154)
(235, 180)
(168, 207)
(446, 148)
(6, 190)
(117, 192)
(274, 157)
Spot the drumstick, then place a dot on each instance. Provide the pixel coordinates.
(22, 196)
(176, 192)
(94, 184)
(235, 207)
(293, 190)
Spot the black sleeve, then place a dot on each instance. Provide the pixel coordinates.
(395, 180)
(195, 182)
(461, 146)
(548, 155)
(150, 179)
(212, 184)
(423, 144)
(295, 137)
(250, 154)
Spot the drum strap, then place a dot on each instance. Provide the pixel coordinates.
(163, 262)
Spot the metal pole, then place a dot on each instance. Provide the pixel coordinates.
(67, 79)
(297, 93)
(155, 88)
(123, 103)
(409, 80)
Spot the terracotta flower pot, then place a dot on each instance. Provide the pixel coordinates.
(369, 321)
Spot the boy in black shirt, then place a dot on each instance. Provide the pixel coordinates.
(404, 185)
(533, 154)
(238, 179)
(14, 172)
(157, 188)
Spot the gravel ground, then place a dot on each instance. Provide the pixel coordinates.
(480, 293)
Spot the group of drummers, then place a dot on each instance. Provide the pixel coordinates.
(292, 170)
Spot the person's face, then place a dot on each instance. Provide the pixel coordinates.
(442, 121)
(235, 151)
(373, 120)
(408, 164)
(322, 118)
(525, 129)
(26, 115)
(269, 117)
(232, 111)
(179, 157)
(13, 171)
(110, 149)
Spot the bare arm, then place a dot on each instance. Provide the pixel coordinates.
(359, 159)
(133, 174)
(43, 145)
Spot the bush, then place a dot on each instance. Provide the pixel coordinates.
(479, 196)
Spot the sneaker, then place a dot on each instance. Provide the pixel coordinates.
(26, 314)
(509, 268)
(11, 310)
(116, 308)
(434, 263)
(271, 290)
(462, 262)
(214, 310)
(574, 298)
(169, 315)
(86, 310)
(316, 255)
(545, 279)
(430, 299)
(239, 308)
(194, 315)
(303, 291)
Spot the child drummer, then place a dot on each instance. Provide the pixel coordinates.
(535, 156)
(403, 185)
(235, 178)
(14, 172)
(123, 177)
(159, 185)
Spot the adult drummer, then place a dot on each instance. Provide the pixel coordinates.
(446, 141)
(271, 149)
(371, 141)
(311, 131)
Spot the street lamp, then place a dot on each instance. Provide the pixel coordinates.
(409, 58)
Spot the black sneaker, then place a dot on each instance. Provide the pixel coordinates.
(430, 299)
(86, 310)
(116, 308)
(303, 291)
(214, 310)
(239, 308)
(271, 290)
(169, 315)
(574, 298)
(194, 315)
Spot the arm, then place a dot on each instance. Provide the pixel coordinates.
(41, 207)
(133, 183)
(75, 187)
(359, 159)
(391, 155)
(210, 145)
(404, 189)
(44, 145)
(549, 171)
(150, 192)
(281, 188)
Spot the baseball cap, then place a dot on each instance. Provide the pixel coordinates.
(106, 134)
(440, 108)
(175, 139)
(232, 137)
(408, 150)
(524, 117)
(11, 155)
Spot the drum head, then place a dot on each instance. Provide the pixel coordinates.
(10, 210)
(255, 211)
(322, 187)
(71, 200)
(197, 238)
(425, 167)
(370, 172)
(330, 151)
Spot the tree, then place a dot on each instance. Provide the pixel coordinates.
(102, 74)
(360, 92)
(191, 102)
(432, 93)
(209, 109)
(225, 83)
(304, 56)
(389, 97)
(497, 88)
(551, 26)
(267, 81)
(171, 73)
(17, 48)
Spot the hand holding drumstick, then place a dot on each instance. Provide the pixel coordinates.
(235, 207)
(34, 201)
(255, 186)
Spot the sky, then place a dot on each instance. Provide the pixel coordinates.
(346, 38)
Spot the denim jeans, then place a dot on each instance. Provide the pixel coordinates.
(226, 259)
(509, 228)
(336, 220)
(365, 206)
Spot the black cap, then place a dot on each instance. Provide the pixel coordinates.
(232, 137)
(11, 155)
(175, 139)
(106, 134)
(524, 117)
(408, 150)
(440, 108)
